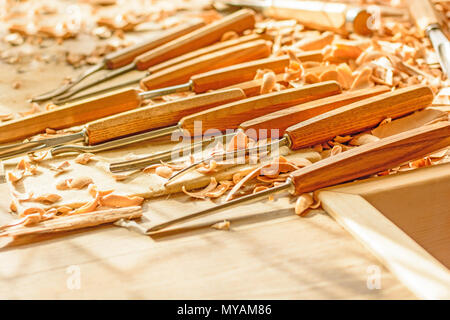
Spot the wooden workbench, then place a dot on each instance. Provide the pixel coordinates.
(268, 254)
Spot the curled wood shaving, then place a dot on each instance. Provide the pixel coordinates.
(363, 138)
(219, 190)
(304, 201)
(268, 82)
(202, 193)
(119, 201)
(208, 168)
(315, 43)
(164, 171)
(79, 182)
(84, 158)
(362, 79)
(61, 168)
(223, 225)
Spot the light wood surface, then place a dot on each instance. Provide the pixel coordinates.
(230, 116)
(71, 114)
(157, 116)
(182, 72)
(396, 217)
(239, 21)
(123, 57)
(359, 116)
(373, 157)
(285, 118)
(246, 71)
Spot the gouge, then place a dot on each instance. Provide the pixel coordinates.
(279, 120)
(359, 162)
(337, 17)
(128, 123)
(429, 24)
(202, 81)
(114, 102)
(230, 116)
(179, 73)
(161, 66)
(123, 57)
(352, 118)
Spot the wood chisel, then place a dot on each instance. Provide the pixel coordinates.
(128, 123)
(160, 67)
(124, 57)
(349, 119)
(279, 120)
(83, 111)
(429, 24)
(238, 21)
(359, 162)
(337, 17)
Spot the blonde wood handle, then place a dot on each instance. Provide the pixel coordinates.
(231, 115)
(237, 73)
(321, 15)
(71, 114)
(239, 21)
(181, 73)
(156, 116)
(203, 51)
(423, 13)
(359, 116)
(123, 57)
(372, 157)
(281, 120)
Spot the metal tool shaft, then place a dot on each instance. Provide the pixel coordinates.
(441, 45)
(70, 85)
(288, 185)
(106, 77)
(233, 155)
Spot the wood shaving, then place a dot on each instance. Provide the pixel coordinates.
(202, 193)
(164, 171)
(304, 201)
(268, 82)
(223, 225)
(61, 168)
(118, 201)
(84, 158)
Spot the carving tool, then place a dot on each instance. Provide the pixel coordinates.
(337, 17)
(352, 118)
(229, 117)
(124, 57)
(238, 21)
(160, 67)
(128, 123)
(115, 102)
(119, 125)
(429, 24)
(279, 120)
(359, 162)
(175, 76)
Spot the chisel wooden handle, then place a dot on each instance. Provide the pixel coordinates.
(236, 73)
(423, 14)
(372, 157)
(207, 50)
(156, 116)
(239, 21)
(71, 114)
(123, 57)
(229, 116)
(181, 73)
(337, 17)
(359, 116)
(285, 118)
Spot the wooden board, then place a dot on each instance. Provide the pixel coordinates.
(404, 220)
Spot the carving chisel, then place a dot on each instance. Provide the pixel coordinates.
(119, 101)
(359, 162)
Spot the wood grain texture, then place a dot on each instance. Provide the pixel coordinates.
(182, 72)
(231, 115)
(403, 220)
(239, 21)
(71, 114)
(156, 116)
(423, 14)
(203, 51)
(246, 71)
(319, 15)
(359, 116)
(372, 157)
(285, 118)
(123, 57)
